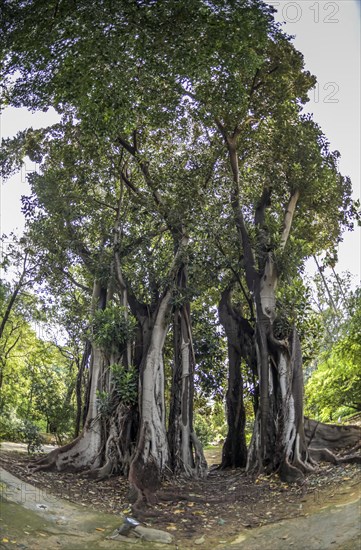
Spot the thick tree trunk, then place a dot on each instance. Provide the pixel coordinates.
(107, 440)
(85, 450)
(152, 457)
(186, 453)
(234, 452)
(278, 441)
(152, 453)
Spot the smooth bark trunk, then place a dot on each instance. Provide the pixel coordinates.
(278, 441)
(186, 453)
(152, 455)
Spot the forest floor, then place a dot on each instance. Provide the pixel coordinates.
(210, 511)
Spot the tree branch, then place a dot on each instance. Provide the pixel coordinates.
(263, 203)
(288, 217)
(251, 273)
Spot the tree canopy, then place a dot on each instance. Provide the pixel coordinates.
(182, 178)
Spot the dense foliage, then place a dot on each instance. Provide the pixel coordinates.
(182, 189)
(334, 388)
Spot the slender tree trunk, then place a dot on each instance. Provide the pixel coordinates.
(19, 285)
(234, 452)
(186, 453)
(79, 385)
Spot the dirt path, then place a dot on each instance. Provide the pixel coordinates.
(336, 526)
(30, 520)
(227, 511)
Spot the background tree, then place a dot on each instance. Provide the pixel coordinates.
(334, 389)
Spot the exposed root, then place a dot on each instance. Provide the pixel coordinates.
(323, 438)
(201, 466)
(351, 451)
(75, 456)
(290, 473)
(165, 496)
(350, 459)
(331, 436)
(98, 474)
(49, 461)
(303, 466)
(323, 454)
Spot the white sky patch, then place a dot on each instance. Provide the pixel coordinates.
(328, 35)
(12, 121)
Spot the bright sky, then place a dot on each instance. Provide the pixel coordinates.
(328, 34)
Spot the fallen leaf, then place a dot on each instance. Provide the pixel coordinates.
(99, 529)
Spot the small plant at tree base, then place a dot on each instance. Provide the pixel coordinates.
(104, 403)
(31, 436)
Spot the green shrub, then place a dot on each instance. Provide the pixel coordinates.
(203, 429)
(112, 326)
(11, 426)
(126, 383)
(210, 423)
(32, 437)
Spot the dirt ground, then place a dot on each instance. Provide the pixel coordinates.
(218, 507)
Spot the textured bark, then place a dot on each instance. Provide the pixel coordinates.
(331, 436)
(106, 443)
(152, 454)
(283, 447)
(78, 387)
(278, 441)
(238, 333)
(186, 453)
(152, 457)
(333, 443)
